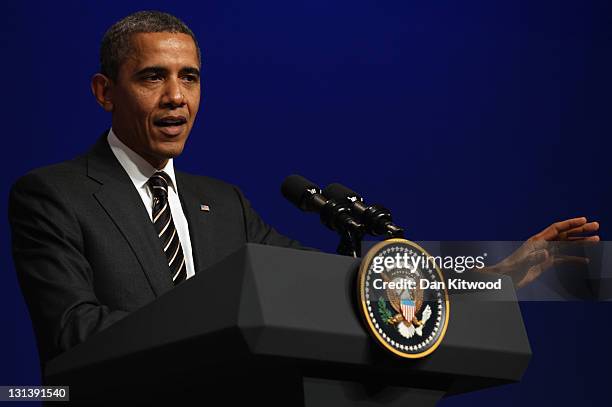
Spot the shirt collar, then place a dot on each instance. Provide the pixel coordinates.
(138, 169)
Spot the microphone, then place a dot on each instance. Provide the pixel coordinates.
(375, 218)
(303, 193)
(307, 196)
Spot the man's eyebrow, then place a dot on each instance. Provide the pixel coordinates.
(159, 70)
(191, 71)
(152, 70)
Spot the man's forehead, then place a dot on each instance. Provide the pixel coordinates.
(163, 47)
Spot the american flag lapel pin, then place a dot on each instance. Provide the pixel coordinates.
(204, 208)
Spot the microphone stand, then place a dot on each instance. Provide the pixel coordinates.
(350, 244)
(337, 216)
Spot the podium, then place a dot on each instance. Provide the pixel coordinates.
(273, 325)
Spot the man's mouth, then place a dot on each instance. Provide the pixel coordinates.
(171, 125)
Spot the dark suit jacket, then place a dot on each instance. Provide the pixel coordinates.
(86, 251)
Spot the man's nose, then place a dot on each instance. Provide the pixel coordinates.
(173, 94)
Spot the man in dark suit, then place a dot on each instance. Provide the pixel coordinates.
(98, 237)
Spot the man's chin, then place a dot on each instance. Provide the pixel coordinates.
(170, 153)
(168, 150)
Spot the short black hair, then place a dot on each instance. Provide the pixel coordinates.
(116, 43)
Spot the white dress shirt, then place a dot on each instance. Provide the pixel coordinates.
(140, 171)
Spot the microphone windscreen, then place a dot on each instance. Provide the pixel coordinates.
(339, 192)
(294, 187)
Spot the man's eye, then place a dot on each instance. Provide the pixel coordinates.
(190, 78)
(153, 78)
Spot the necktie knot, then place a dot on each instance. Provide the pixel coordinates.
(159, 184)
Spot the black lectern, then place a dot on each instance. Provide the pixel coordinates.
(272, 325)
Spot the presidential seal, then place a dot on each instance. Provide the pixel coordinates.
(403, 298)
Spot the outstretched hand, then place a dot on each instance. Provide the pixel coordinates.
(539, 252)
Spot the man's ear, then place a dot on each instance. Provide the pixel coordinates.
(101, 86)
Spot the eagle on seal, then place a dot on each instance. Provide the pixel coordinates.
(407, 303)
(412, 296)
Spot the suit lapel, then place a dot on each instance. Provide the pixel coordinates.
(124, 206)
(200, 222)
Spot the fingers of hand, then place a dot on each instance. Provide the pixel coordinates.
(553, 231)
(583, 238)
(569, 224)
(563, 229)
(581, 232)
(563, 259)
(586, 228)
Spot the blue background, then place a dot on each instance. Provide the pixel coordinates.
(500, 110)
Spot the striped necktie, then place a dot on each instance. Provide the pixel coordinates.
(164, 225)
